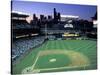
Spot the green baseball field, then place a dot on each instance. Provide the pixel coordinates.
(59, 55)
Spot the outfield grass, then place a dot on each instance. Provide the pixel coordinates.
(85, 47)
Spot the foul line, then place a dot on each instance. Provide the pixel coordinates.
(36, 60)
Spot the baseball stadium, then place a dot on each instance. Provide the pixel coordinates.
(52, 44)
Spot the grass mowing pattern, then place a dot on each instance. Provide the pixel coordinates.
(44, 61)
(86, 47)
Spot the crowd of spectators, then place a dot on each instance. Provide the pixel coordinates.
(51, 37)
(20, 46)
(22, 26)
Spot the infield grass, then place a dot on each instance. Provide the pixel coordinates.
(85, 47)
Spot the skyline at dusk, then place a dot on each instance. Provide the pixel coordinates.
(83, 11)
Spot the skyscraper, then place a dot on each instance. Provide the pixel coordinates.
(34, 16)
(41, 17)
(55, 14)
(59, 17)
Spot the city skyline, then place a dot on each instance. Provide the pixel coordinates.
(83, 11)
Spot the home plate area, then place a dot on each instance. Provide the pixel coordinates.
(54, 60)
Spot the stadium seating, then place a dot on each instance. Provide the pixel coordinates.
(20, 46)
(22, 26)
(51, 37)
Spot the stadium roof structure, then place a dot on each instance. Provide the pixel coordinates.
(69, 16)
(19, 14)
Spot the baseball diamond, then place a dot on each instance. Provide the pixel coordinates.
(59, 55)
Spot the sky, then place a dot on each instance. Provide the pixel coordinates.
(83, 11)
